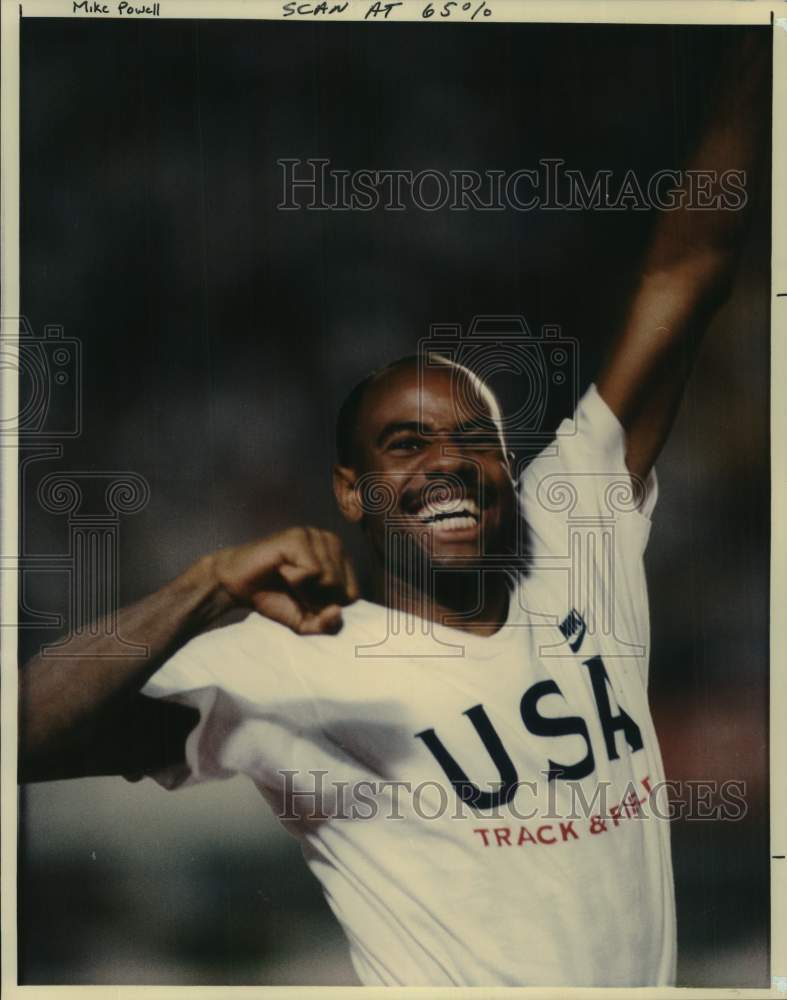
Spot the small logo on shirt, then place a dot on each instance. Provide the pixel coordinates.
(573, 629)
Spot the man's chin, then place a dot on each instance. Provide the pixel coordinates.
(444, 546)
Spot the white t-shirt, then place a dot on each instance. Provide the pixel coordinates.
(430, 891)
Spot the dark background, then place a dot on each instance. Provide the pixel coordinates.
(218, 337)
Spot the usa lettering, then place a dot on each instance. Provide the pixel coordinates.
(613, 720)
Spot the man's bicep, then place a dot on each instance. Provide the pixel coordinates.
(142, 736)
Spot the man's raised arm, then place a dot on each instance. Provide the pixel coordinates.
(690, 263)
(83, 714)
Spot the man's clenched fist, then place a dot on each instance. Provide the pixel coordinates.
(299, 577)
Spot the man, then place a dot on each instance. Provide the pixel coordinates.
(432, 748)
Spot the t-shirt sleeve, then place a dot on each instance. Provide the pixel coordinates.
(583, 472)
(588, 522)
(250, 698)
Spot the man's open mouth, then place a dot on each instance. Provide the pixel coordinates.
(451, 515)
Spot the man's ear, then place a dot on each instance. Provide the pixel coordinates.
(344, 480)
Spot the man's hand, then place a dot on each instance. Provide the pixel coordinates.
(299, 577)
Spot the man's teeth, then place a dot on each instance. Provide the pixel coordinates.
(454, 522)
(452, 515)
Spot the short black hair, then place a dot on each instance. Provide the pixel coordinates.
(347, 417)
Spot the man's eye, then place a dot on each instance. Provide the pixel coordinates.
(406, 444)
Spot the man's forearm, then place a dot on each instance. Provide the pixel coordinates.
(63, 698)
(83, 714)
(688, 270)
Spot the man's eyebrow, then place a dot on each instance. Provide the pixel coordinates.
(486, 424)
(478, 424)
(413, 426)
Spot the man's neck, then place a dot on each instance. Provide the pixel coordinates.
(459, 600)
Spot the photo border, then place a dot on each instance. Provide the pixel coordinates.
(700, 12)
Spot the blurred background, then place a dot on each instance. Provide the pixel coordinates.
(218, 336)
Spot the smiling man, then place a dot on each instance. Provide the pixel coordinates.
(467, 755)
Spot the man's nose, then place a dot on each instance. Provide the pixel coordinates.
(446, 456)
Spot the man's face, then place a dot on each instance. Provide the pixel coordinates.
(432, 444)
